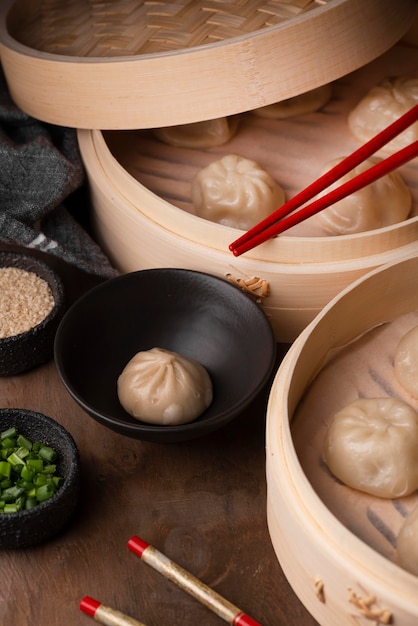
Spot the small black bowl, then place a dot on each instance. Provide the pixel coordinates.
(47, 519)
(24, 351)
(195, 314)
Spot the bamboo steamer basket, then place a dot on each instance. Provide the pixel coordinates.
(109, 77)
(142, 214)
(336, 546)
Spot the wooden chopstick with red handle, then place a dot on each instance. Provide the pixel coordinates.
(105, 614)
(189, 583)
(283, 218)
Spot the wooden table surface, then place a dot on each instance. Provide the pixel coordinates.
(202, 503)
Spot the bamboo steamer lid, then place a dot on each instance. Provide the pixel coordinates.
(103, 65)
(336, 546)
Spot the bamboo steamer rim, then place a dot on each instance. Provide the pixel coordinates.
(217, 79)
(350, 251)
(138, 229)
(355, 559)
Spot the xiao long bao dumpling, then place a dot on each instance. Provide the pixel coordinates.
(406, 362)
(385, 202)
(407, 543)
(235, 191)
(302, 104)
(372, 445)
(204, 134)
(381, 106)
(162, 387)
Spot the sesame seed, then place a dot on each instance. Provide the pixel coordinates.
(25, 300)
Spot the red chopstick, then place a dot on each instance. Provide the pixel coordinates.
(280, 220)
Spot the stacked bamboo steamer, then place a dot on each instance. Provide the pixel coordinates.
(107, 68)
(91, 65)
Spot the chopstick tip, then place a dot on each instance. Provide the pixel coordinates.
(89, 605)
(137, 545)
(244, 620)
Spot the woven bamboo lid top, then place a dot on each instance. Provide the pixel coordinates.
(141, 64)
(107, 28)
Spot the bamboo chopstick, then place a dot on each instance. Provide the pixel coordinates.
(186, 581)
(106, 615)
(283, 218)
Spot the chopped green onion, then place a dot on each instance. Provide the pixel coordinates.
(20, 501)
(5, 469)
(10, 508)
(27, 485)
(15, 459)
(30, 502)
(9, 442)
(40, 479)
(58, 481)
(44, 492)
(23, 442)
(27, 472)
(37, 465)
(11, 493)
(22, 452)
(10, 432)
(47, 453)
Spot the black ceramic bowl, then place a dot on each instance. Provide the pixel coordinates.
(47, 519)
(26, 350)
(192, 313)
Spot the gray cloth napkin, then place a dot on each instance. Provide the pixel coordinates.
(40, 168)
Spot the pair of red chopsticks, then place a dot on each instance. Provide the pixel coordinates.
(283, 218)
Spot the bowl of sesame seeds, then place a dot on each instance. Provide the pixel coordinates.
(31, 306)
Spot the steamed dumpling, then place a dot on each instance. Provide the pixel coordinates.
(406, 362)
(407, 543)
(381, 106)
(235, 191)
(372, 445)
(298, 105)
(386, 201)
(162, 387)
(204, 134)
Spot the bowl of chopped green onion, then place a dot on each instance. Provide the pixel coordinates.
(31, 306)
(39, 478)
